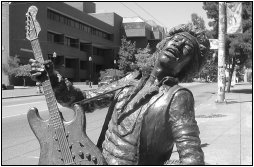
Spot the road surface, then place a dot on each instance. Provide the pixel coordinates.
(20, 146)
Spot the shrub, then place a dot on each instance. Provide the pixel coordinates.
(111, 72)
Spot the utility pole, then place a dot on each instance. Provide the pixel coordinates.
(221, 53)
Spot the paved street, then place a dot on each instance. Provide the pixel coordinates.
(225, 128)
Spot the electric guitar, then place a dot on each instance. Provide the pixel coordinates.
(61, 142)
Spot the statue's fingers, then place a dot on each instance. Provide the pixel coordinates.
(35, 76)
(33, 61)
(35, 67)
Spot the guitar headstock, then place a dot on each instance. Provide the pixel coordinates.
(32, 26)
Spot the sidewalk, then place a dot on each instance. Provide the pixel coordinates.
(21, 91)
(226, 129)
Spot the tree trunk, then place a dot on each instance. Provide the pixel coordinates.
(231, 71)
(24, 81)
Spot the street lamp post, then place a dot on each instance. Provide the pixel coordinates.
(91, 61)
(54, 57)
(115, 66)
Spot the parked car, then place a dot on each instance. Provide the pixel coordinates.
(107, 80)
(4, 87)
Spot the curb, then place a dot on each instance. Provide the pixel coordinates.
(21, 96)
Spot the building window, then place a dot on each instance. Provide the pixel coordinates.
(70, 63)
(72, 42)
(83, 65)
(81, 26)
(62, 19)
(52, 15)
(50, 37)
(56, 38)
(67, 41)
(84, 46)
(77, 25)
(89, 29)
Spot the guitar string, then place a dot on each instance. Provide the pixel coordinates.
(60, 144)
(53, 116)
(63, 140)
(63, 146)
(56, 125)
(67, 146)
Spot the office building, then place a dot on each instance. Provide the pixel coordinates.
(69, 35)
(143, 32)
(78, 40)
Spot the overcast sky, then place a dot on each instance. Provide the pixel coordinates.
(166, 14)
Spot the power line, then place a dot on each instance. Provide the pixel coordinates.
(142, 9)
(149, 13)
(131, 9)
(14, 3)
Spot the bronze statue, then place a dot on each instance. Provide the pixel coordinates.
(146, 118)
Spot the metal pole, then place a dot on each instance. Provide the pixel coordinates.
(54, 57)
(115, 67)
(91, 61)
(221, 53)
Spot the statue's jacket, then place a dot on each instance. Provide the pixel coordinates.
(144, 134)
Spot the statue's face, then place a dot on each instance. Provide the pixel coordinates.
(176, 54)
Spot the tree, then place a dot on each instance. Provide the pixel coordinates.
(198, 21)
(145, 60)
(24, 72)
(212, 12)
(238, 46)
(209, 67)
(111, 72)
(126, 55)
(11, 66)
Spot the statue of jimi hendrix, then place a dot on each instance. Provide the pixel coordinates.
(146, 118)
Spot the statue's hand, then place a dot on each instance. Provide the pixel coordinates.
(39, 71)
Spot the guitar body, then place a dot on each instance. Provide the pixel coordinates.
(83, 150)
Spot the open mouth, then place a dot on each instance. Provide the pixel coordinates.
(172, 53)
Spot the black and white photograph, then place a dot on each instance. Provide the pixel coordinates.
(127, 83)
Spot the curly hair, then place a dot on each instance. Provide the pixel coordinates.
(199, 40)
(199, 34)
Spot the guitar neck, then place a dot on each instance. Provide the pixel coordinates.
(54, 114)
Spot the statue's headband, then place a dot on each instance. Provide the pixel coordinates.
(189, 37)
(197, 54)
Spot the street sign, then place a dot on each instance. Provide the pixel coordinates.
(234, 18)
